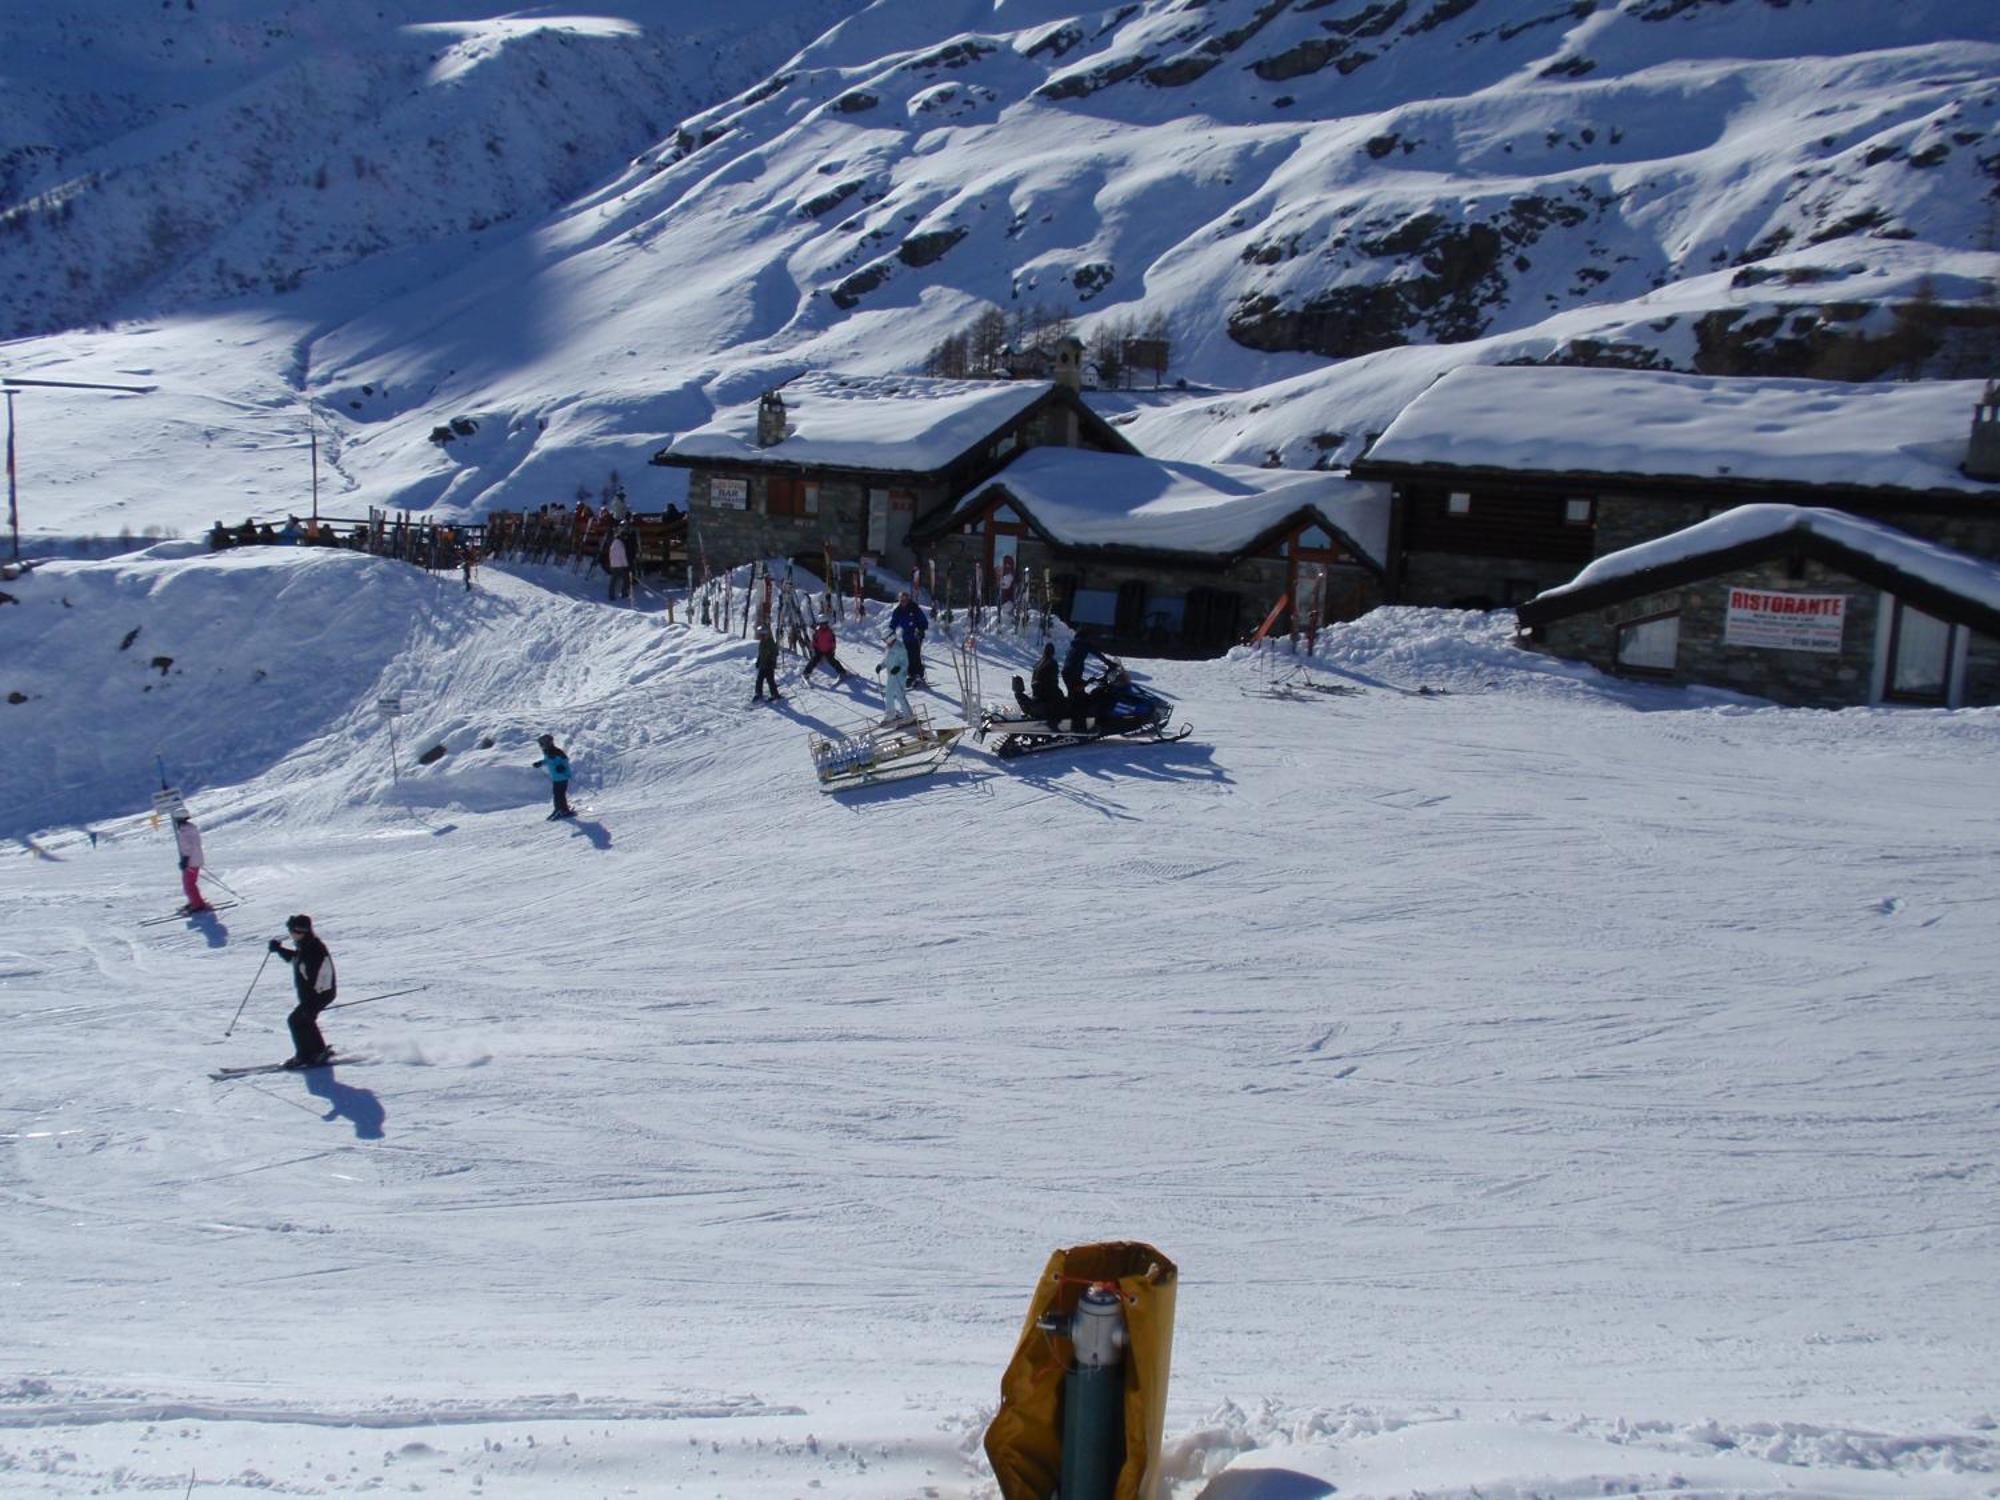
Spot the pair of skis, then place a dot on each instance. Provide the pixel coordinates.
(333, 1060)
(186, 915)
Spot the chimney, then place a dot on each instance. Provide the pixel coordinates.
(1069, 362)
(770, 419)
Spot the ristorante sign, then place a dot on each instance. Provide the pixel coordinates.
(1785, 622)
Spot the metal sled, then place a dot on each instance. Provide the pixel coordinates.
(872, 753)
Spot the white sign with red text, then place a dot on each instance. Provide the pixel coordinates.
(1785, 622)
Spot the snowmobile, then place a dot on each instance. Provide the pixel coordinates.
(1114, 706)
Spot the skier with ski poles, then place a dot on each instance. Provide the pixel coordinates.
(555, 761)
(313, 980)
(767, 666)
(188, 838)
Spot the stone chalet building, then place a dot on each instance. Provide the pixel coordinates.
(1171, 556)
(845, 465)
(1596, 502)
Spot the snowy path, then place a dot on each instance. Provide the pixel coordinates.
(1508, 1052)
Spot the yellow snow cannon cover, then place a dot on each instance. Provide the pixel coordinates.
(1024, 1442)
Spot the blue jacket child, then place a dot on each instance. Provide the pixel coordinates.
(555, 761)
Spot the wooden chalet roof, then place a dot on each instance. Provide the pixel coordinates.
(1598, 428)
(1201, 514)
(878, 424)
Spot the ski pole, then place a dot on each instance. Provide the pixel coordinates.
(246, 995)
(371, 999)
(227, 887)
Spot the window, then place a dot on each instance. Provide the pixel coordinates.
(1650, 645)
(1578, 512)
(1458, 504)
(1315, 539)
(1094, 607)
(1920, 656)
(785, 496)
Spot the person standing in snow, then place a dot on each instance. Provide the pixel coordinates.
(894, 671)
(555, 761)
(823, 644)
(908, 620)
(767, 666)
(313, 982)
(618, 563)
(188, 838)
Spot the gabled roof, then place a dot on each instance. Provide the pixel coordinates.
(903, 424)
(1937, 579)
(1207, 513)
(1725, 432)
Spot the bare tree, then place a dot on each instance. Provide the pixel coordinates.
(986, 353)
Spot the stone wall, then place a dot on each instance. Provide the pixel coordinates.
(1443, 578)
(1808, 679)
(1257, 582)
(1626, 520)
(732, 537)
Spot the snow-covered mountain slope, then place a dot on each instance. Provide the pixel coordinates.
(191, 152)
(1327, 201)
(1550, 1086)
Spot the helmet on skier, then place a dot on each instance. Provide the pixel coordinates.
(299, 923)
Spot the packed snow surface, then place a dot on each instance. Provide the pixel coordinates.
(1546, 1085)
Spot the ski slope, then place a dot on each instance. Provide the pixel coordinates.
(1548, 1085)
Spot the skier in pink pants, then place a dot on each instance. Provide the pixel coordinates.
(188, 837)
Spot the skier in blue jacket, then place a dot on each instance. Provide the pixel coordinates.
(555, 761)
(909, 621)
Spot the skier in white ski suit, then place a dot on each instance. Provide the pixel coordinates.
(895, 671)
(188, 838)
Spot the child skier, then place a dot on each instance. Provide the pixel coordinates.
(555, 761)
(767, 666)
(188, 838)
(823, 644)
(894, 670)
(313, 981)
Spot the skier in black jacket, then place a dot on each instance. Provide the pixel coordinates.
(313, 980)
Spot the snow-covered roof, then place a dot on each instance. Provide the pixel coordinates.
(1944, 569)
(1086, 499)
(1553, 420)
(902, 423)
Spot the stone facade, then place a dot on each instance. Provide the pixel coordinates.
(730, 505)
(1460, 581)
(1626, 520)
(1806, 679)
(731, 535)
(1217, 607)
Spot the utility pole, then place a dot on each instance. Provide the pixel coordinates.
(10, 383)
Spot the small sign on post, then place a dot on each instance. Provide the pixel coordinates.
(168, 803)
(391, 707)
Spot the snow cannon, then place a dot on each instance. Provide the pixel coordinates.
(1093, 1426)
(1083, 1402)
